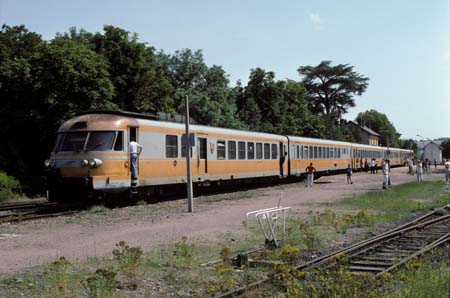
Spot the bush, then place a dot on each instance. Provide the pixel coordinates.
(7, 184)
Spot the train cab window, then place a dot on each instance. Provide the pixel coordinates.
(274, 151)
(221, 150)
(266, 151)
(74, 141)
(250, 150)
(100, 140)
(171, 146)
(118, 145)
(231, 150)
(259, 153)
(241, 150)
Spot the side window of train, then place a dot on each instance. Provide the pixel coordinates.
(221, 150)
(315, 152)
(250, 150)
(274, 151)
(118, 145)
(171, 146)
(298, 152)
(266, 151)
(231, 150)
(241, 150)
(259, 153)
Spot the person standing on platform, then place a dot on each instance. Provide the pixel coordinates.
(372, 166)
(419, 171)
(447, 171)
(349, 175)
(310, 178)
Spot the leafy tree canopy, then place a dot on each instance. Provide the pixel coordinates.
(331, 89)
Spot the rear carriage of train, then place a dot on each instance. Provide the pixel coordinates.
(326, 155)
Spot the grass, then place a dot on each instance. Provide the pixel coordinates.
(175, 270)
(398, 202)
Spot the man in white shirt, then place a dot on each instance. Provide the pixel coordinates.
(135, 149)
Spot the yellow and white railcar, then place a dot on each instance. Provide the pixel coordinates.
(91, 154)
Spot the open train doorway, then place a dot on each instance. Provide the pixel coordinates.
(202, 156)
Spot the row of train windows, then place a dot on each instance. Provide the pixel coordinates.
(318, 152)
(378, 154)
(243, 150)
(251, 150)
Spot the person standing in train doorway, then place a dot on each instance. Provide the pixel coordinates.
(282, 160)
(135, 150)
(310, 178)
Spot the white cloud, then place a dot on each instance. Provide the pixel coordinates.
(315, 20)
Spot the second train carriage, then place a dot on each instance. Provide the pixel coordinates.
(91, 154)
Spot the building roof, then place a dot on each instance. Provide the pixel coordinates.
(433, 143)
(422, 144)
(365, 128)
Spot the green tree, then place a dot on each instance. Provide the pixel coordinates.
(211, 101)
(139, 85)
(380, 123)
(331, 89)
(276, 106)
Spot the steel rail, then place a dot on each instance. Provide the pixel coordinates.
(390, 234)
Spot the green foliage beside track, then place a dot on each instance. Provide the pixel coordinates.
(7, 186)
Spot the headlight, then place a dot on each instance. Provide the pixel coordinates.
(94, 163)
(47, 163)
(84, 163)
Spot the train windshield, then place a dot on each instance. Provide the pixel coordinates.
(100, 141)
(87, 141)
(74, 141)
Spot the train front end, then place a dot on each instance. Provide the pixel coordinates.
(89, 158)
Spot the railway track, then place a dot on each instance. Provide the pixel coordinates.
(379, 254)
(35, 210)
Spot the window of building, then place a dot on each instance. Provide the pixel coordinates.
(221, 150)
(241, 150)
(250, 150)
(266, 151)
(231, 150)
(274, 151)
(259, 153)
(171, 146)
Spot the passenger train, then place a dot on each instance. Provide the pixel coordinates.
(91, 156)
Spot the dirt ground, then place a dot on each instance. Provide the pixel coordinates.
(28, 244)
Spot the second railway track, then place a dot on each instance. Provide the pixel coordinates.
(379, 254)
(35, 210)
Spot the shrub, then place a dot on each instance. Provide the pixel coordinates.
(59, 276)
(128, 259)
(7, 184)
(100, 284)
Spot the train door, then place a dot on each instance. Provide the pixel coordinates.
(202, 156)
(283, 159)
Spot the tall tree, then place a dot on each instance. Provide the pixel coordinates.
(211, 101)
(139, 85)
(276, 106)
(446, 149)
(380, 123)
(331, 89)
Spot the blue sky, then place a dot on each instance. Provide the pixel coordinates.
(403, 46)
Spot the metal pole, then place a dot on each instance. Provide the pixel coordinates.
(188, 161)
